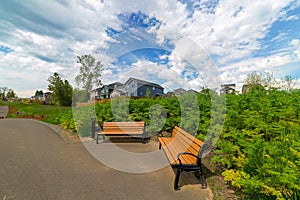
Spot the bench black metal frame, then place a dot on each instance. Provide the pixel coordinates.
(184, 153)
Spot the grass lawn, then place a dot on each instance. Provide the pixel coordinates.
(47, 113)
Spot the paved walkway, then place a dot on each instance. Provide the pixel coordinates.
(3, 111)
(35, 163)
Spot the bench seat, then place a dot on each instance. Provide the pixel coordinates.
(183, 152)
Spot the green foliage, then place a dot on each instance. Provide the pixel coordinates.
(260, 144)
(160, 114)
(82, 119)
(11, 94)
(61, 90)
(47, 113)
(80, 95)
(6, 93)
(260, 78)
(38, 92)
(258, 149)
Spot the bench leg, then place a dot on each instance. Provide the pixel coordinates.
(159, 146)
(202, 179)
(176, 186)
(97, 139)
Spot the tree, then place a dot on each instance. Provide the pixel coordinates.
(90, 72)
(3, 91)
(38, 93)
(79, 95)
(264, 79)
(61, 90)
(288, 83)
(6, 93)
(11, 94)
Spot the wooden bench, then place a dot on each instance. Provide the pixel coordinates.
(184, 153)
(134, 129)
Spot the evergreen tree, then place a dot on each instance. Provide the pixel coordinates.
(61, 90)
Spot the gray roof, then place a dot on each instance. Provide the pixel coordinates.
(142, 82)
(228, 85)
(112, 85)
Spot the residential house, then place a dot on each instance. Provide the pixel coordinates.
(37, 97)
(118, 91)
(227, 88)
(179, 91)
(192, 91)
(170, 94)
(46, 97)
(105, 91)
(95, 93)
(248, 87)
(140, 88)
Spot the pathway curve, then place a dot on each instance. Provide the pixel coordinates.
(35, 163)
(3, 111)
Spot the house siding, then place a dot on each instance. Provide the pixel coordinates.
(142, 90)
(132, 89)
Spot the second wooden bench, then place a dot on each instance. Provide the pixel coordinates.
(134, 129)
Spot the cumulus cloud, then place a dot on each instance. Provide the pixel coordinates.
(47, 36)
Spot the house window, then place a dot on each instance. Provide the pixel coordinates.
(153, 88)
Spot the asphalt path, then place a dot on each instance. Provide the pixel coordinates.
(35, 163)
(3, 111)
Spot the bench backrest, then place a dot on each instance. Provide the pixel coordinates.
(190, 142)
(124, 127)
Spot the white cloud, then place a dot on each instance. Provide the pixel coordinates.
(169, 77)
(50, 36)
(295, 43)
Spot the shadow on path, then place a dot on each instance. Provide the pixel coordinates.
(35, 163)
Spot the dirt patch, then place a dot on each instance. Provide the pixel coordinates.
(220, 188)
(67, 135)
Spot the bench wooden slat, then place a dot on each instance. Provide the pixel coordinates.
(191, 137)
(124, 124)
(186, 159)
(183, 148)
(171, 157)
(188, 144)
(122, 129)
(174, 146)
(181, 141)
(172, 150)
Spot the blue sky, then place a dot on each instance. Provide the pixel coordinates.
(184, 43)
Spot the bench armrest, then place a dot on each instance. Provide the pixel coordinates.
(185, 153)
(160, 135)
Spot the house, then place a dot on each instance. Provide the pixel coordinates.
(192, 91)
(179, 91)
(248, 87)
(37, 97)
(94, 93)
(46, 97)
(105, 91)
(170, 94)
(118, 91)
(227, 88)
(140, 88)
